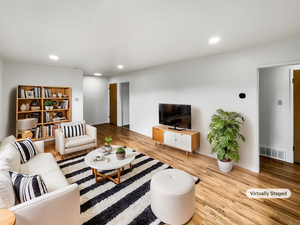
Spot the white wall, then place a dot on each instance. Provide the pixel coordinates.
(95, 99)
(208, 84)
(274, 120)
(125, 103)
(2, 130)
(18, 73)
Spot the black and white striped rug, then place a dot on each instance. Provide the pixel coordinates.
(108, 203)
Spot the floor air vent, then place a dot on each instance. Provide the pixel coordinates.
(272, 153)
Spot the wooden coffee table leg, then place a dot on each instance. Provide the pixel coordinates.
(130, 167)
(95, 172)
(119, 175)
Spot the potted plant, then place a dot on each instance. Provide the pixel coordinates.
(224, 132)
(120, 153)
(48, 105)
(107, 143)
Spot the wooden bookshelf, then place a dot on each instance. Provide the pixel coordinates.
(41, 100)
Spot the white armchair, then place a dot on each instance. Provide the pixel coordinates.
(72, 144)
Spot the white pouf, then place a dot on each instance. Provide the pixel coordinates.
(173, 196)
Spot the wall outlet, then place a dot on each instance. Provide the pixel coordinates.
(279, 102)
(76, 99)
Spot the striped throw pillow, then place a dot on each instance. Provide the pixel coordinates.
(27, 187)
(26, 149)
(73, 131)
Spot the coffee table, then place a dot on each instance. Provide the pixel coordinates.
(111, 165)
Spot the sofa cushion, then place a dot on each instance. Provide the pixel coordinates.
(26, 149)
(10, 139)
(40, 164)
(7, 195)
(77, 141)
(27, 187)
(54, 180)
(73, 131)
(9, 158)
(74, 123)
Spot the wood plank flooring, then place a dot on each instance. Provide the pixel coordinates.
(220, 197)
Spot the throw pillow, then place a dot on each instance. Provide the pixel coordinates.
(27, 187)
(73, 131)
(9, 139)
(9, 158)
(7, 195)
(26, 149)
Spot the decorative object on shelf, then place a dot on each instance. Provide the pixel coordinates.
(59, 94)
(29, 94)
(35, 108)
(22, 93)
(65, 96)
(120, 153)
(54, 102)
(26, 116)
(107, 143)
(34, 103)
(60, 114)
(23, 107)
(48, 104)
(54, 115)
(224, 132)
(24, 125)
(54, 95)
(59, 107)
(27, 106)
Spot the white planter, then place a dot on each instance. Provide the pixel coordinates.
(225, 166)
(51, 107)
(47, 107)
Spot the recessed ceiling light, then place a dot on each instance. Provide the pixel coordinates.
(214, 40)
(53, 57)
(97, 74)
(120, 66)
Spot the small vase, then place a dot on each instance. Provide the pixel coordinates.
(23, 107)
(59, 94)
(27, 106)
(120, 156)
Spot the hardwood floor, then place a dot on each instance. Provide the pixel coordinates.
(220, 197)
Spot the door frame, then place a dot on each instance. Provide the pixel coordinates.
(291, 113)
(121, 101)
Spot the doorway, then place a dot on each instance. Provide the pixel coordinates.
(113, 103)
(279, 113)
(125, 104)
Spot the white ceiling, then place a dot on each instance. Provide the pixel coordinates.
(96, 36)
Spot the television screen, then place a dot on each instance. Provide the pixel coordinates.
(175, 115)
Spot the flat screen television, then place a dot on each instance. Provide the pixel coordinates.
(175, 115)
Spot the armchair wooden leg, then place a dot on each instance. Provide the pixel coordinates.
(94, 148)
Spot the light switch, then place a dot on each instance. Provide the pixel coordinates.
(279, 102)
(76, 99)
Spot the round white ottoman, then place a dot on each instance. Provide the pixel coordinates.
(173, 196)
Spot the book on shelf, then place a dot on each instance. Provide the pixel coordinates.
(37, 132)
(58, 119)
(44, 131)
(19, 92)
(65, 104)
(49, 93)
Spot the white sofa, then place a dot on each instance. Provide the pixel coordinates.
(78, 143)
(60, 206)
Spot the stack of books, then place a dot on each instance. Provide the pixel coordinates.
(47, 93)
